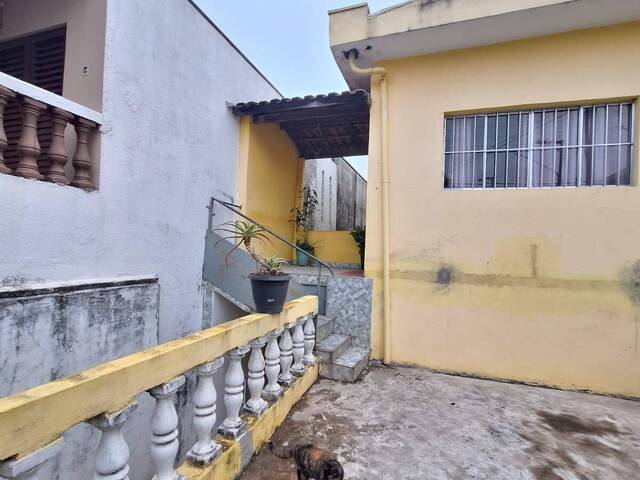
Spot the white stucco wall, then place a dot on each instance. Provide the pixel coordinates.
(168, 143)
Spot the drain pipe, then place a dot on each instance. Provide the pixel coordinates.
(352, 55)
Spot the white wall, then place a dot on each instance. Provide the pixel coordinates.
(169, 142)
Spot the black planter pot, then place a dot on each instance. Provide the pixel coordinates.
(269, 292)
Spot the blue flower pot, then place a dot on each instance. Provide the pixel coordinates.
(302, 259)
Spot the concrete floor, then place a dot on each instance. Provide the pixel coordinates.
(401, 423)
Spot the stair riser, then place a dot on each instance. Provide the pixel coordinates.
(323, 330)
(342, 373)
(331, 357)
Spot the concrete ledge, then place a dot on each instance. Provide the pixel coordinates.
(236, 455)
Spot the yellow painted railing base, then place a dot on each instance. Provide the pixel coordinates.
(229, 464)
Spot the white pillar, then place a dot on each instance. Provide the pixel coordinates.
(205, 450)
(28, 466)
(164, 429)
(286, 355)
(233, 426)
(112, 457)
(272, 369)
(256, 405)
(309, 341)
(298, 348)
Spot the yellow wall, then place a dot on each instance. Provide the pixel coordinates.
(269, 177)
(335, 247)
(542, 287)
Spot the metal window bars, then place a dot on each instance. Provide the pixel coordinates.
(551, 147)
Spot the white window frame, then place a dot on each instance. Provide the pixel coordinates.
(530, 148)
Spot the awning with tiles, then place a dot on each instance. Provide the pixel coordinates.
(320, 126)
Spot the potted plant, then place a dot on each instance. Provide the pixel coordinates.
(269, 283)
(302, 217)
(358, 234)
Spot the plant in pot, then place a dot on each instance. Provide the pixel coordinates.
(269, 283)
(302, 217)
(358, 234)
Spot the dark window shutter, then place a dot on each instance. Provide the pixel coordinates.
(39, 60)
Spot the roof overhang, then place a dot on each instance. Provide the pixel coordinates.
(320, 126)
(421, 27)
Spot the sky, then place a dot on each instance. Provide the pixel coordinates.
(288, 40)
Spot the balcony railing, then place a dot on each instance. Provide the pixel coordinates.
(32, 422)
(35, 105)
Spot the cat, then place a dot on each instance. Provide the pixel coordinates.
(312, 462)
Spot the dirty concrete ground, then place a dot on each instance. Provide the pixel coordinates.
(406, 423)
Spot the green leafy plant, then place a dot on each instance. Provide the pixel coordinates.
(358, 234)
(307, 245)
(243, 233)
(273, 266)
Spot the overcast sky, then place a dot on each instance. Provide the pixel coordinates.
(288, 40)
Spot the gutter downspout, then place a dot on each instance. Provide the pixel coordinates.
(352, 55)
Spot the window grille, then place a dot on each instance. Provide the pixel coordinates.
(560, 147)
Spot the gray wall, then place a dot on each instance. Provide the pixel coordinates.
(320, 175)
(342, 194)
(53, 332)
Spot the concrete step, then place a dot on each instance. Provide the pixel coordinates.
(348, 366)
(324, 328)
(329, 349)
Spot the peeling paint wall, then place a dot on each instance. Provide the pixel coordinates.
(52, 335)
(536, 285)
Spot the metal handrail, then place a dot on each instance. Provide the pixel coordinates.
(235, 209)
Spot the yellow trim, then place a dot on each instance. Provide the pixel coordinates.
(229, 464)
(41, 414)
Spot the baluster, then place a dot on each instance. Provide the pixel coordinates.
(272, 391)
(233, 426)
(57, 152)
(164, 429)
(298, 367)
(5, 96)
(82, 158)
(286, 355)
(112, 458)
(205, 450)
(28, 466)
(28, 145)
(309, 341)
(256, 405)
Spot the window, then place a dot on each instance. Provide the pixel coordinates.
(39, 60)
(562, 147)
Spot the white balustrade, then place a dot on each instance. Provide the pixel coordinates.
(205, 450)
(297, 337)
(28, 467)
(309, 341)
(272, 391)
(112, 457)
(286, 355)
(164, 429)
(256, 405)
(233, 426)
